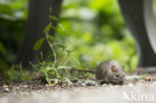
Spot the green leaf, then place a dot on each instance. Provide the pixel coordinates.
(38, 44)
(48, 69)
(62, 28)
(47, 78)
(68, 51)
(51, 38)
(42, 69)
(64, 67)
(47, 28)
(59, 45)
(17, 5)
(2, 48)
(76, 60)
(5, 9)
(4, 66)
(53, 18)
(53, 28)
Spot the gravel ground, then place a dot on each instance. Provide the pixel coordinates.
(134, 91)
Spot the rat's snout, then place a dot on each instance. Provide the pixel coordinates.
(121, 82)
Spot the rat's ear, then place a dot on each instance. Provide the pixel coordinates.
(123, 68)
(114, 69)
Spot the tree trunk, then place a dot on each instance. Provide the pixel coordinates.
(38, 18)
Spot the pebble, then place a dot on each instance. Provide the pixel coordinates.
(6, 89)
(130, 85)
(5, 86)
(25, 86)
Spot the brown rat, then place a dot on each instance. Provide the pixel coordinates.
(110, 72)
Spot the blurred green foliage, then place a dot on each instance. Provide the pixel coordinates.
(13, 14)
(95, 30)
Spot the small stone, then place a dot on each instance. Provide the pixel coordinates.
(117, 86)
(5, 86)
(69, 85)
(25, 86)
(6, 89)
(130, 85)
(17, 88)
(83, 84)
(104, 85)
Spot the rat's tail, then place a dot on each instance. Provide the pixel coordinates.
(84, 71)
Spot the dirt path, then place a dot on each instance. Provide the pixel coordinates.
(139, 92)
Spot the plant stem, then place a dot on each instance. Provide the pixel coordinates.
(52, 49)
(66, 58)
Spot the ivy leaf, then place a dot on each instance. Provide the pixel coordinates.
(38, 44)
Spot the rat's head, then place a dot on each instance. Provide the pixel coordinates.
(118, 75)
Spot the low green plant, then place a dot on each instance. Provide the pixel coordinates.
(62, 57)
(16, 74)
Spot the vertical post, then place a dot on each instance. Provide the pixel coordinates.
(136, 15)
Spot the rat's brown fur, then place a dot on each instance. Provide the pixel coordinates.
(110, 72)
(107, 71)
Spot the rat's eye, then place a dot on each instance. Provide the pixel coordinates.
(117, 75)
